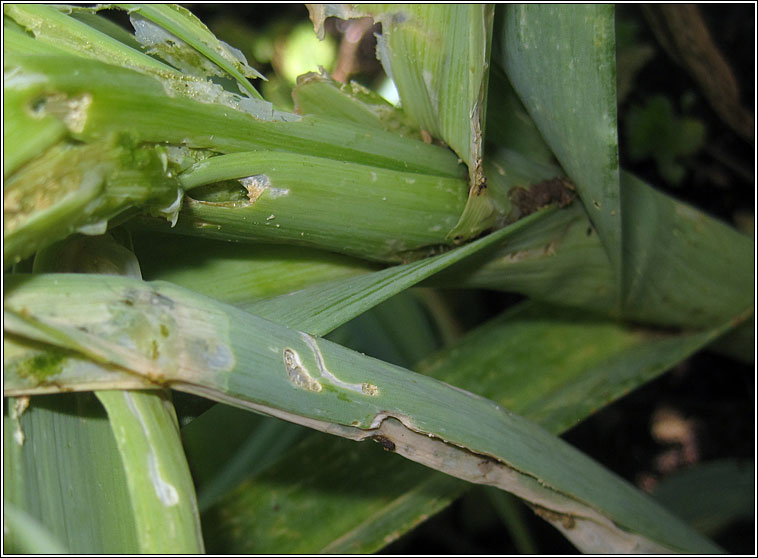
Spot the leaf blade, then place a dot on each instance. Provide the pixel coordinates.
(379, 399)
(561, 60)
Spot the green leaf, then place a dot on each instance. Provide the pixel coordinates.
(598, 360)
(22, 534)
(559, 259)
(341, 502)
(320, 308)
(406, 336)
(206, 348)
(251, 443)
(509, 126)
(710, 495)
(58, 455)
(683, 267)
(236, 273)
(561, 60)
(160, 486)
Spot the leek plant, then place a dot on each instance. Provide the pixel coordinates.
(181, 247)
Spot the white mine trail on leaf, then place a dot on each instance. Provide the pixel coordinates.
(15, 414)
(364, 388)
(165, 491)
(298, 373)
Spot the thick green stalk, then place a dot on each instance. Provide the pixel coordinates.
(302, 200)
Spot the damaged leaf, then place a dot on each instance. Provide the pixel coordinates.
(168, 29)
(217, 351)
(563, 62)
(438, 56)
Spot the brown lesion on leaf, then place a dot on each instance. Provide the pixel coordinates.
(566, 520)
(486, 465)
(386, 443)
(556, 191)
(479, 187)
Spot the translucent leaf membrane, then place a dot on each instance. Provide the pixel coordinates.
(179, 23)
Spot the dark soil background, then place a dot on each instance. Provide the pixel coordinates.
(713, 394)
